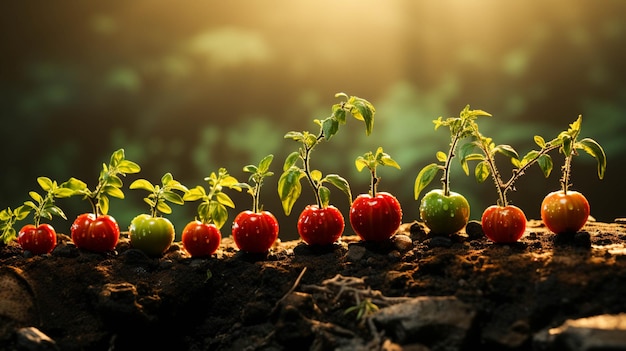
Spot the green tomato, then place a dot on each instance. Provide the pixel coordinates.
(152, 235)
(444, 214)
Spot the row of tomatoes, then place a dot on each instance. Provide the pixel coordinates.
(373, 218)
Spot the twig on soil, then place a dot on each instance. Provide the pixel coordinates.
(293, 287)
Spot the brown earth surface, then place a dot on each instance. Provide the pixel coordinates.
(300, 297)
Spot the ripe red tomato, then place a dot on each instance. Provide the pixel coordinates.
(504, 224)
(201, 239)
(38, 240)
(255, 232)
(98, 234)
(375, 218)
(320, 226)
(563, 213)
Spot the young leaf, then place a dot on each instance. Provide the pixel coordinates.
(482, 171)
(290, 188)
(142, 184)
(594, 149)
(546, 165)
(340, 183)
(424, 177)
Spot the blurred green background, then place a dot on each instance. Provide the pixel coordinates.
(190, 86)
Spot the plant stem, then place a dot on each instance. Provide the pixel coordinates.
(446, 168)
(255, 197)
(566, 173)
(374, 181)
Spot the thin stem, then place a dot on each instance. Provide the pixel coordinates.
(307, 171)
(446, 168)
(566, 173)
(255, 197)
(374, 181)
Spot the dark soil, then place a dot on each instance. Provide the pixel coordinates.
(238, 301)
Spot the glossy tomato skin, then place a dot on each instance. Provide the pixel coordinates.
(152, 235)
(375, 218)
(444, 214)
(38, 240)
(201, 239)
(564, 213)
(503, 224)
(255, 232)
(320, 226)
(98, 234)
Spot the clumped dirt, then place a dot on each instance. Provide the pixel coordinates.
(298, 295)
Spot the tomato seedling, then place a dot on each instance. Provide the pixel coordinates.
(375, 216)
(322, 223)
(152, 233)
(202, 236)
(256, 231)
(442, 210)
(37, 238)
(97, 231)
(565, 210)
(504, 223)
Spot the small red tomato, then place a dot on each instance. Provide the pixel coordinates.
(201, 239)
(504, 224)
(375, 218)
(563, 213)
(98, 234)
(255, 232)
(320, 226)
(38, 240)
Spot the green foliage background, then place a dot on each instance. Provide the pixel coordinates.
(190, 86)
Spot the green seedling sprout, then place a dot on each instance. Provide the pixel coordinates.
(460, 127)
(213, 209)
(372, 160)
(161, 194)
(289, 186)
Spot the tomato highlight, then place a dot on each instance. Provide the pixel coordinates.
(564, 213)
(503, 224)
(97, 234)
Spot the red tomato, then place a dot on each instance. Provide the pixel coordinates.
(504, 224)
(38, 240)
(375, 218)
(255, 232)
(201, 239)
(563, 213)
(320, 226)
(98, 234)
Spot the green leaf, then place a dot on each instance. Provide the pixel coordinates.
(45, 183)
(142, 184)
(167, 178)
(441, 156)
(540, 141)
(482, 171)
(424, 177)
(324, 193)
(225, 200)
(265, 163)
(339, 114)
(195, 194)
(594, 149)
(35, 196)
(340, 183)
(219, 214)
(291, 160)
(173, 197)
(230, 182)
(128, 167)
(330, 126)
(74, 184)
(363, 110)
(290, 188)
(386, 160)
(103, 204)
(163, 207)
(117, 157)
(297, 136)
(545, 163)
(506, 150)
(567, 146)
(114, 180)
(56, 211)
(527, 158)
(113, 191)
(464, 153)
(21, 212)
(31, 205)
(63, 192)
(250, 169)
(360, 163)
(316, 175)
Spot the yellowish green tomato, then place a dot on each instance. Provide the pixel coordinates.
(444, 214)
(152, 235)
